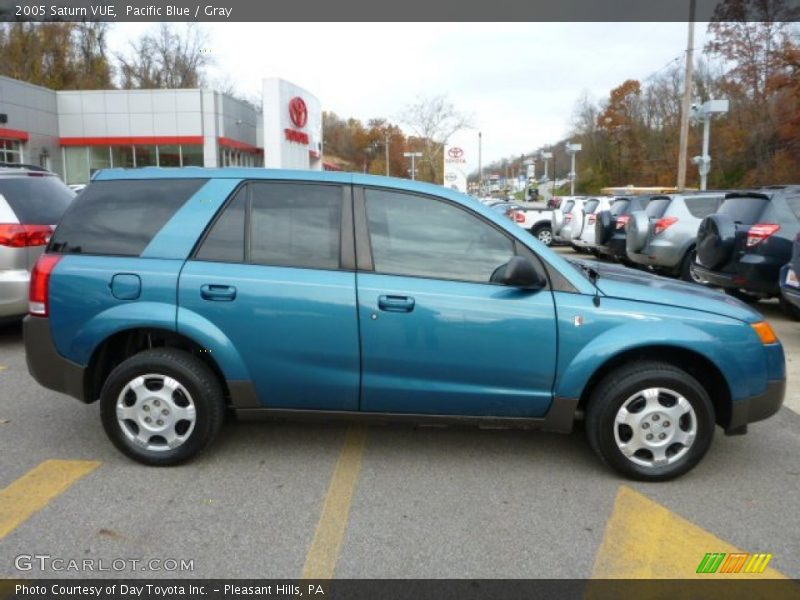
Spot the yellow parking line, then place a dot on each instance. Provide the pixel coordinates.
(3, 367)
(324, 552)
(37, 488)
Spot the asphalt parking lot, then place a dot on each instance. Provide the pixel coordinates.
(287, 499)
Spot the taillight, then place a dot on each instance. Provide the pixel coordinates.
(567, 217)
(665, 223)
(592, 219)
(14, 235)
(759, 233)
(517, 216)
(622, 220)
(39, 294)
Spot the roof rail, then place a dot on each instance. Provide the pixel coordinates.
(7, 165)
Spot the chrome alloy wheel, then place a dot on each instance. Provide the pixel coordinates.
(655, 427)
(155, 412)
(545, 236)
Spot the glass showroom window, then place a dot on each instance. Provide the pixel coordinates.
(99, 158)
(146, 156)
(10, 151)
(122, 156)
(76, 164)
(169, 156)
(192, 155)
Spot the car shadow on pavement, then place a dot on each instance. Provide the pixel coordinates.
(10, 333)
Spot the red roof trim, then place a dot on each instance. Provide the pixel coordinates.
(237, 145)
(145, 140)
(14, 134)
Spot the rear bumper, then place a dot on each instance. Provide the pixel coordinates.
(46, 365)
(758, 408)
(666, 256)
(14, 285)
(790, 294)
(753, 273)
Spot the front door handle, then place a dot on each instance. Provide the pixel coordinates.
(396, 303)
(217, 293)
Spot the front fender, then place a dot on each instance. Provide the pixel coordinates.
(611, 330)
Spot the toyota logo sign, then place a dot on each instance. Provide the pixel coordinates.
(298, 111)
(455, 152)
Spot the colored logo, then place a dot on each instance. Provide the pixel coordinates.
(298, 111)
(742, 562)
(455, 152)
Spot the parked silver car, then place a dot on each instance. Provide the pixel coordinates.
(663, 235)
(32, 201)
(584, 239)
(563, 217)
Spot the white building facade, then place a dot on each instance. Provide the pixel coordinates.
(75, 133)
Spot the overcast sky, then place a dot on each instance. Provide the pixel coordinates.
(520, 81)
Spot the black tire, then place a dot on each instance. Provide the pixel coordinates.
(204, 390)
(686, 268)
(603, 227)
(715, 240)
(789, 309)
(544, 234)
(619, 387)
(745, 297)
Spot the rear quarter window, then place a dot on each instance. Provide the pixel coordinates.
(120, 217)
(620, 207)
(702, 207)
(36, 199)
(746, 209)
(657, 207)
(793, 201)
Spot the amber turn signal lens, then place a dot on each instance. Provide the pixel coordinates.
(765, 332)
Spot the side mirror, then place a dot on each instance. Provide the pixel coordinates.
(520, 272)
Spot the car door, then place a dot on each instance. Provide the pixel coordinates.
(437, 337)
(275, 275)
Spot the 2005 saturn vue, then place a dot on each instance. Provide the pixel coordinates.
(174, 295)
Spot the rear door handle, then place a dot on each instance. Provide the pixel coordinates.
(217, 293)
(396, 303)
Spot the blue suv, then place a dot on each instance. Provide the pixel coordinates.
(173, 295)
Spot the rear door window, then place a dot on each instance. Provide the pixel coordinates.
(120, 217)
(746, 210)
(702, 207)
(36, 199)
(620, 207)
(657, 207)
(225, 241)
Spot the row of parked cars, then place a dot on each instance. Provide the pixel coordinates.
(740, 241)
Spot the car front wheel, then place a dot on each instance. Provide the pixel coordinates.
(162, 406)
(650, 421)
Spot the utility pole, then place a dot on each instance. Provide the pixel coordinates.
(387, 152)
(687, 100)
(480, 165)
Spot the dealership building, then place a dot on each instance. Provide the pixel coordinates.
(75, 133)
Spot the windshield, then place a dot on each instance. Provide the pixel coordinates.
(657, 207)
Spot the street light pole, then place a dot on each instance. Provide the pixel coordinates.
(414, 156)
(545, 157)
(572, 150)
(704, 113)
(687, 100)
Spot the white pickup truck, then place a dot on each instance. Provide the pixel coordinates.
(536, 218)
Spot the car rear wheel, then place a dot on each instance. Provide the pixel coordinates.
(650, 421)
(687, 273)
(544, 234)
(162, 406)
